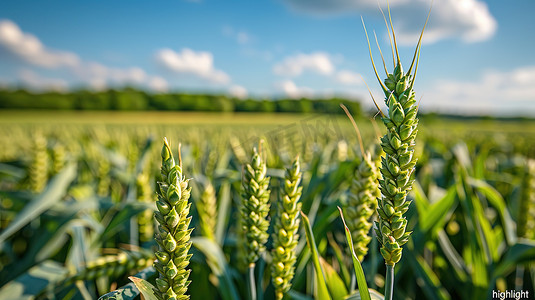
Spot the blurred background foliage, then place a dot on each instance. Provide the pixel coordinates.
(130, 99)
(77, 198)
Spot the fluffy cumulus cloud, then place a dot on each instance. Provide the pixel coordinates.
(29, 48)
(189, 62)
(37, 82)
(317, 62)
(100, 76)
(500, 92)
(468, 19)
(158, 84)
(329, 7)
(291, 90)
(348, 77)
(238, 91)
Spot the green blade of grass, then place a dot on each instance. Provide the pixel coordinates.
(486, 231)
(145, 155)
(375, 295)
(359, 273)
(78, 254)
(34, 282)
(217, 262)
(494, 198)
(146, 289)
(340, 258)
(294, 295)
(224, 204)
(430, 282)
(321, 285)
(422, 203)
(53, 193)
(520, 253)
(454, 258)
(434, 215)
(122, 212)
(129, 291)
(335, 284)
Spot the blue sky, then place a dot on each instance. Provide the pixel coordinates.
(476, 58)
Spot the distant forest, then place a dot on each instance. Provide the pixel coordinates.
(135, 100)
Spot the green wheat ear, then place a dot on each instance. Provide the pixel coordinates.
(362, 203)
(526, 224)
(145, 219)
(255, 208)
(111, 265)
(103, 177)
(173, 236)
(397, 166)
(285, 235)
(207, 209)
(38, 171)
(58, 158)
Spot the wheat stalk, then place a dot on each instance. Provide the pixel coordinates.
(255, 208)
(103, 176)
(173, 236)
(285, 235)
(145, 219)
(58, 158)
(361, 204)
(38, 172)
(254, 212)
(526, 209)
(397, 166)
(111, 266)
(526, 224)
(132, 156)
(207, 209)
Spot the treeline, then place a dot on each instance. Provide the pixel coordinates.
(131, 99)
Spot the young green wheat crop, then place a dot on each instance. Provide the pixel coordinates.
(173, 232)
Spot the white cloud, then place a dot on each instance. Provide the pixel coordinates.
(92, 71)
(470, 20)
(238, 91)
(290, 89)
(29, 49)
(98, 84)
(189, 62)
(240, 36)
(495, 92)
(100, 77)
(348, 77)
(334, 7)
(158, 84)
(318, 62)
(34, 81)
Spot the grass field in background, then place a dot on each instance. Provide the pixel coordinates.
(245, 119)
